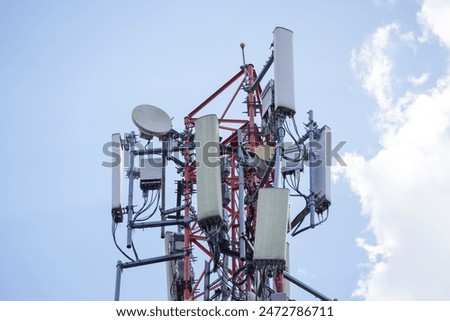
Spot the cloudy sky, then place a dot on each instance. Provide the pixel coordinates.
(375, 71)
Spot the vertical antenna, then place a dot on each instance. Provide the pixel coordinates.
(165, 146)
(242, 250)
(242, 45)
(131, 141)
(311, 154)
(279, 149)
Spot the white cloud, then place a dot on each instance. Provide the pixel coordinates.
(305, 274)
(420, 80)
(434, 19)
(373, 65)
(404, 188)
(384, 2)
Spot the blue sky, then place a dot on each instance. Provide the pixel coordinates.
(72, 71)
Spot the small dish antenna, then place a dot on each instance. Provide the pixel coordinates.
(151, 121)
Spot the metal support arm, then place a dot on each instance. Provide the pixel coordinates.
(305, 287)
(122, 266)
(182, 221)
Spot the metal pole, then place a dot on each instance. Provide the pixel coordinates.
(182, 221)
(241, 200)
(262, 73)
(179, 195)
(251, 110)
(225, 292)
(188, 178)
(165, 145)
(311, 156)
(206, 282)
(280, 139)
(152, 151)
(131, 141)
(153, 260)
(118, 280)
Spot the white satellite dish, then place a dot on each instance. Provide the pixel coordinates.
(151, 121)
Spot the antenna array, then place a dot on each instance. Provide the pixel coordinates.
(232, 196)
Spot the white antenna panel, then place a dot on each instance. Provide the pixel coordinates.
(267, 97)
(271, 227)
(284, 70)
(117, 172)
(151, 121)
(321, 173)
(209, 182)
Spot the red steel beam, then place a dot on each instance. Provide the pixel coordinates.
(216, 93)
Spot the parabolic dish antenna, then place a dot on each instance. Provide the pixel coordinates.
(151, 121)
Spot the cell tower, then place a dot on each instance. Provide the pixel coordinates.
(236, 179)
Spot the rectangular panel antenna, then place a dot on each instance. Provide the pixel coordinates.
(267, 97)
(117, 176)
(271, 227)
(283, 54)
(321, 170)
(209, 180)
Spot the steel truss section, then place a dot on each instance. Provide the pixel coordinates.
(242, 182)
